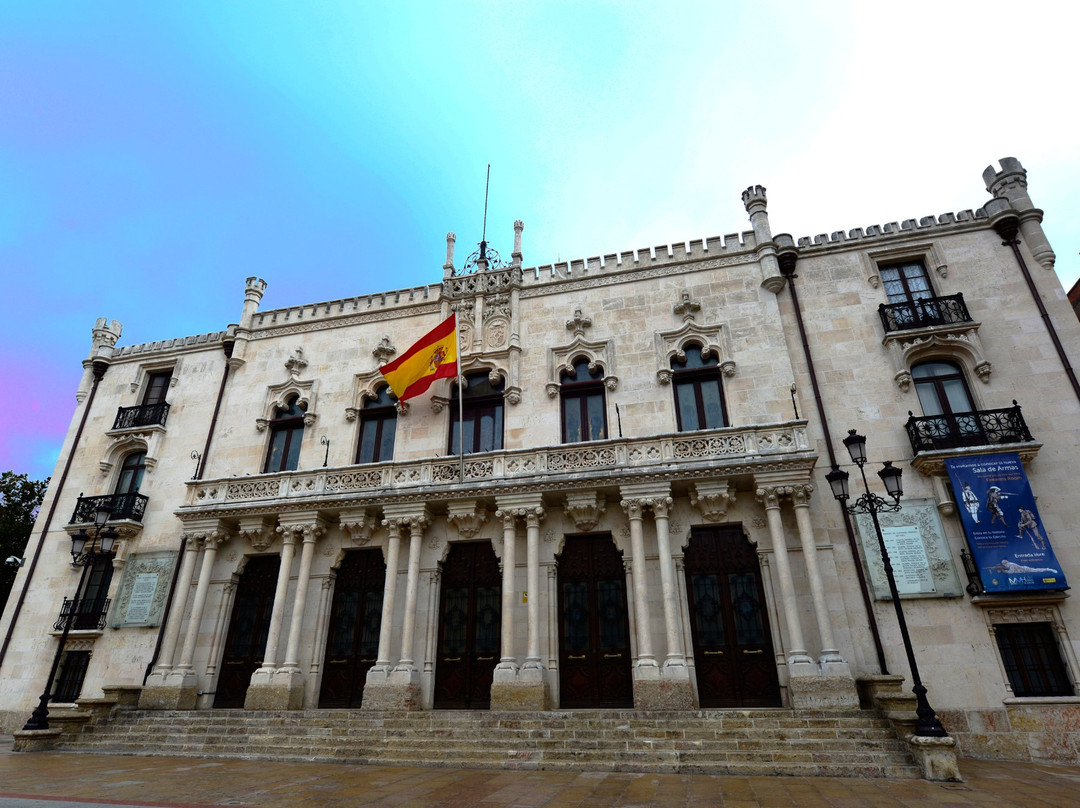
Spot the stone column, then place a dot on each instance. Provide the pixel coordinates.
(524, 688)
(412, 583)
(835, 687)
(645, 659)
(799, 663)
(532, 536)
(158, 693)
(386, 625)
(318, 647)
(507, 668)
(259, 693)
(176, 614)
(397, 687)
(187, 655)
(289, 678)
(676, 691)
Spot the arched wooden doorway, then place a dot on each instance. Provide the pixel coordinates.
(248, 627)
(352, 642)
(733, 652)
(470, 609)
(594, 629)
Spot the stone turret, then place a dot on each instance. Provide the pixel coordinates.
(756, 204)
(102, 342)
(253, 292)
(1011, 183)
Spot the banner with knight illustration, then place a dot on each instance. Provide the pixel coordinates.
(1007, 538)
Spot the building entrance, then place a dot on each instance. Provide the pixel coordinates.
(352, 643)
(248, 627)
(733, 652)
(594, 630)
(470, 609)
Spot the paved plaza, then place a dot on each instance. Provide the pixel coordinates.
(61, 779)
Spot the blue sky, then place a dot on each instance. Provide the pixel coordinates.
(153, 155)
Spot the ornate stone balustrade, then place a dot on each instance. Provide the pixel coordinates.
(690, 455)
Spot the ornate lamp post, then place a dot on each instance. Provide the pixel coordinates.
(83, 554)
(928, 724)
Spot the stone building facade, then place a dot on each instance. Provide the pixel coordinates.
(640, 517)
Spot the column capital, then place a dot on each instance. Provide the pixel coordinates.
(770, 495)
(635, 508)
(415, 517)
(800, 494)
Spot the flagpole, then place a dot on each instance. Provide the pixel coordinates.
(460, 424)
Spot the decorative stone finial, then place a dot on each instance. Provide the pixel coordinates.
(450, 239)
(515, 256)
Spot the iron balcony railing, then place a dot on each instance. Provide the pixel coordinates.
(124, 506)
(957, 430)
(142, 415)
(89, 615)
(930, 311)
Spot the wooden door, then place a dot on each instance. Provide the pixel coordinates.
(248, 627)
(733, 652)
(470, 610)
(352, 642)
(594, 629)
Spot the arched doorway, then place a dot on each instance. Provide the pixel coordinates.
(248, 627)
(470, 609)
(733, 652)
(594, 629)
(352, 642)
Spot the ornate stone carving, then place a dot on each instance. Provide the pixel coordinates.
(579, 323)
(687, 307)
(384, 350)
(467, 518)
(360, 525)
(955, 341)
(296, 363)
(257, 533)
(713, 338)
(712, 499)
(585, 508)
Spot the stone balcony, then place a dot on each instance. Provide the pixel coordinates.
(733, 453)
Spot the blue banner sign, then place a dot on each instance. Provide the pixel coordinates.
(1006, 535)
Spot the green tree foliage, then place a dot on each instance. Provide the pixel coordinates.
(20, 498)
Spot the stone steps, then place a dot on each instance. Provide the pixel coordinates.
(854, 743)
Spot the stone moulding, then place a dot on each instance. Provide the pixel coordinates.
(678, 455)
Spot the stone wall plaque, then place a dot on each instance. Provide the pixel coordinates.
(921, 559)
(140, 599)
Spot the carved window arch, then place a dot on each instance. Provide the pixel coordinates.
(499, 376)
(600, 354)
(714, 341)
(962, 349)
(147, 441)
(281, 396)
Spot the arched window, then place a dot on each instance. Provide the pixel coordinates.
(378, 422)
(482, 424)
(131, 473)
(584, 416)
(286, 433)
(941, 388)
(699, 401)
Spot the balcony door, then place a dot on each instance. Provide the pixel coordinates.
(248, 627)
(594, 628)
(944, 395)
(733, 652)
(470, 624)
(355, 617)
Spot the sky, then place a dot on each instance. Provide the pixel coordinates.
(154, 155)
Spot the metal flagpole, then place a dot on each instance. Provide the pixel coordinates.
(460, 406)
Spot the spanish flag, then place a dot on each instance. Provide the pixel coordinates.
(434, 356)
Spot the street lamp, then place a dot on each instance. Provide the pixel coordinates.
(83, 555)
(928, 725)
